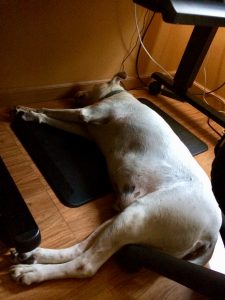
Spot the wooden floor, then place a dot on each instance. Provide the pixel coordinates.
(61, 226)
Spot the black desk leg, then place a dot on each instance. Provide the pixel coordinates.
(188, 68)
(194, 54)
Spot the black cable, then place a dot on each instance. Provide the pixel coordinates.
(139, 49)
(216, 89)
(211, 91)
(217, 132)
(130, 52)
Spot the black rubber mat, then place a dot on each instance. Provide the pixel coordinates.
(74, 167)
(194, 144)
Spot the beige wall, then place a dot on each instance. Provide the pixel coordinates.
(167, 45)
(50, 42)
(57, 41)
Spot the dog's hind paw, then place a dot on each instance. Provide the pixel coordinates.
(18, 258)
(25, 274)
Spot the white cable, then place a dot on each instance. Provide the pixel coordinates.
(204, 90)
(205, 82)
(143, 46)
(129, 51)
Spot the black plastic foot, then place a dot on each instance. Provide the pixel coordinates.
(154, 87)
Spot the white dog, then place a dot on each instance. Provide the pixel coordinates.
(164, 196)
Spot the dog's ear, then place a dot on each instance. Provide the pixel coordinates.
(119, 76)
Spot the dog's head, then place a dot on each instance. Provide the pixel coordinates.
(101, 90)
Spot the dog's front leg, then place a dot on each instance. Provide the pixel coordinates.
(72, 127)
(30, 114)
(98, 113)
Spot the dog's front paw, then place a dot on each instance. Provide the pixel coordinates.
(30, 116)
(27, 113)
(26, 274)
(23, 109)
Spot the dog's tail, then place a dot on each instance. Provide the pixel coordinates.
(201, 252)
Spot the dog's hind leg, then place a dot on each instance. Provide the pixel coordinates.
(102, 245)
(56, 256)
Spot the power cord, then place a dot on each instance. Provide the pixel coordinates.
(139, 49)
(122, 66)
(213, 90)
(203, 97)
(141, 35)
(143, 46)
(214, 129)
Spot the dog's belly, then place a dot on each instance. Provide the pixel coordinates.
(133, 180)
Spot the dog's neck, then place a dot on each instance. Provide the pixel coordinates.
(111, 94)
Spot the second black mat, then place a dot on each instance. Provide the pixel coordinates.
(194, 144)
(74, 167)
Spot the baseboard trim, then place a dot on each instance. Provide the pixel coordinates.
(21, 96)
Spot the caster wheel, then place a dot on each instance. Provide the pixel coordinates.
(154, 88)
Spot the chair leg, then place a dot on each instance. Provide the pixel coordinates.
(222, 229)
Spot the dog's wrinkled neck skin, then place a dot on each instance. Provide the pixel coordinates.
(112, 93)
(102, 91)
